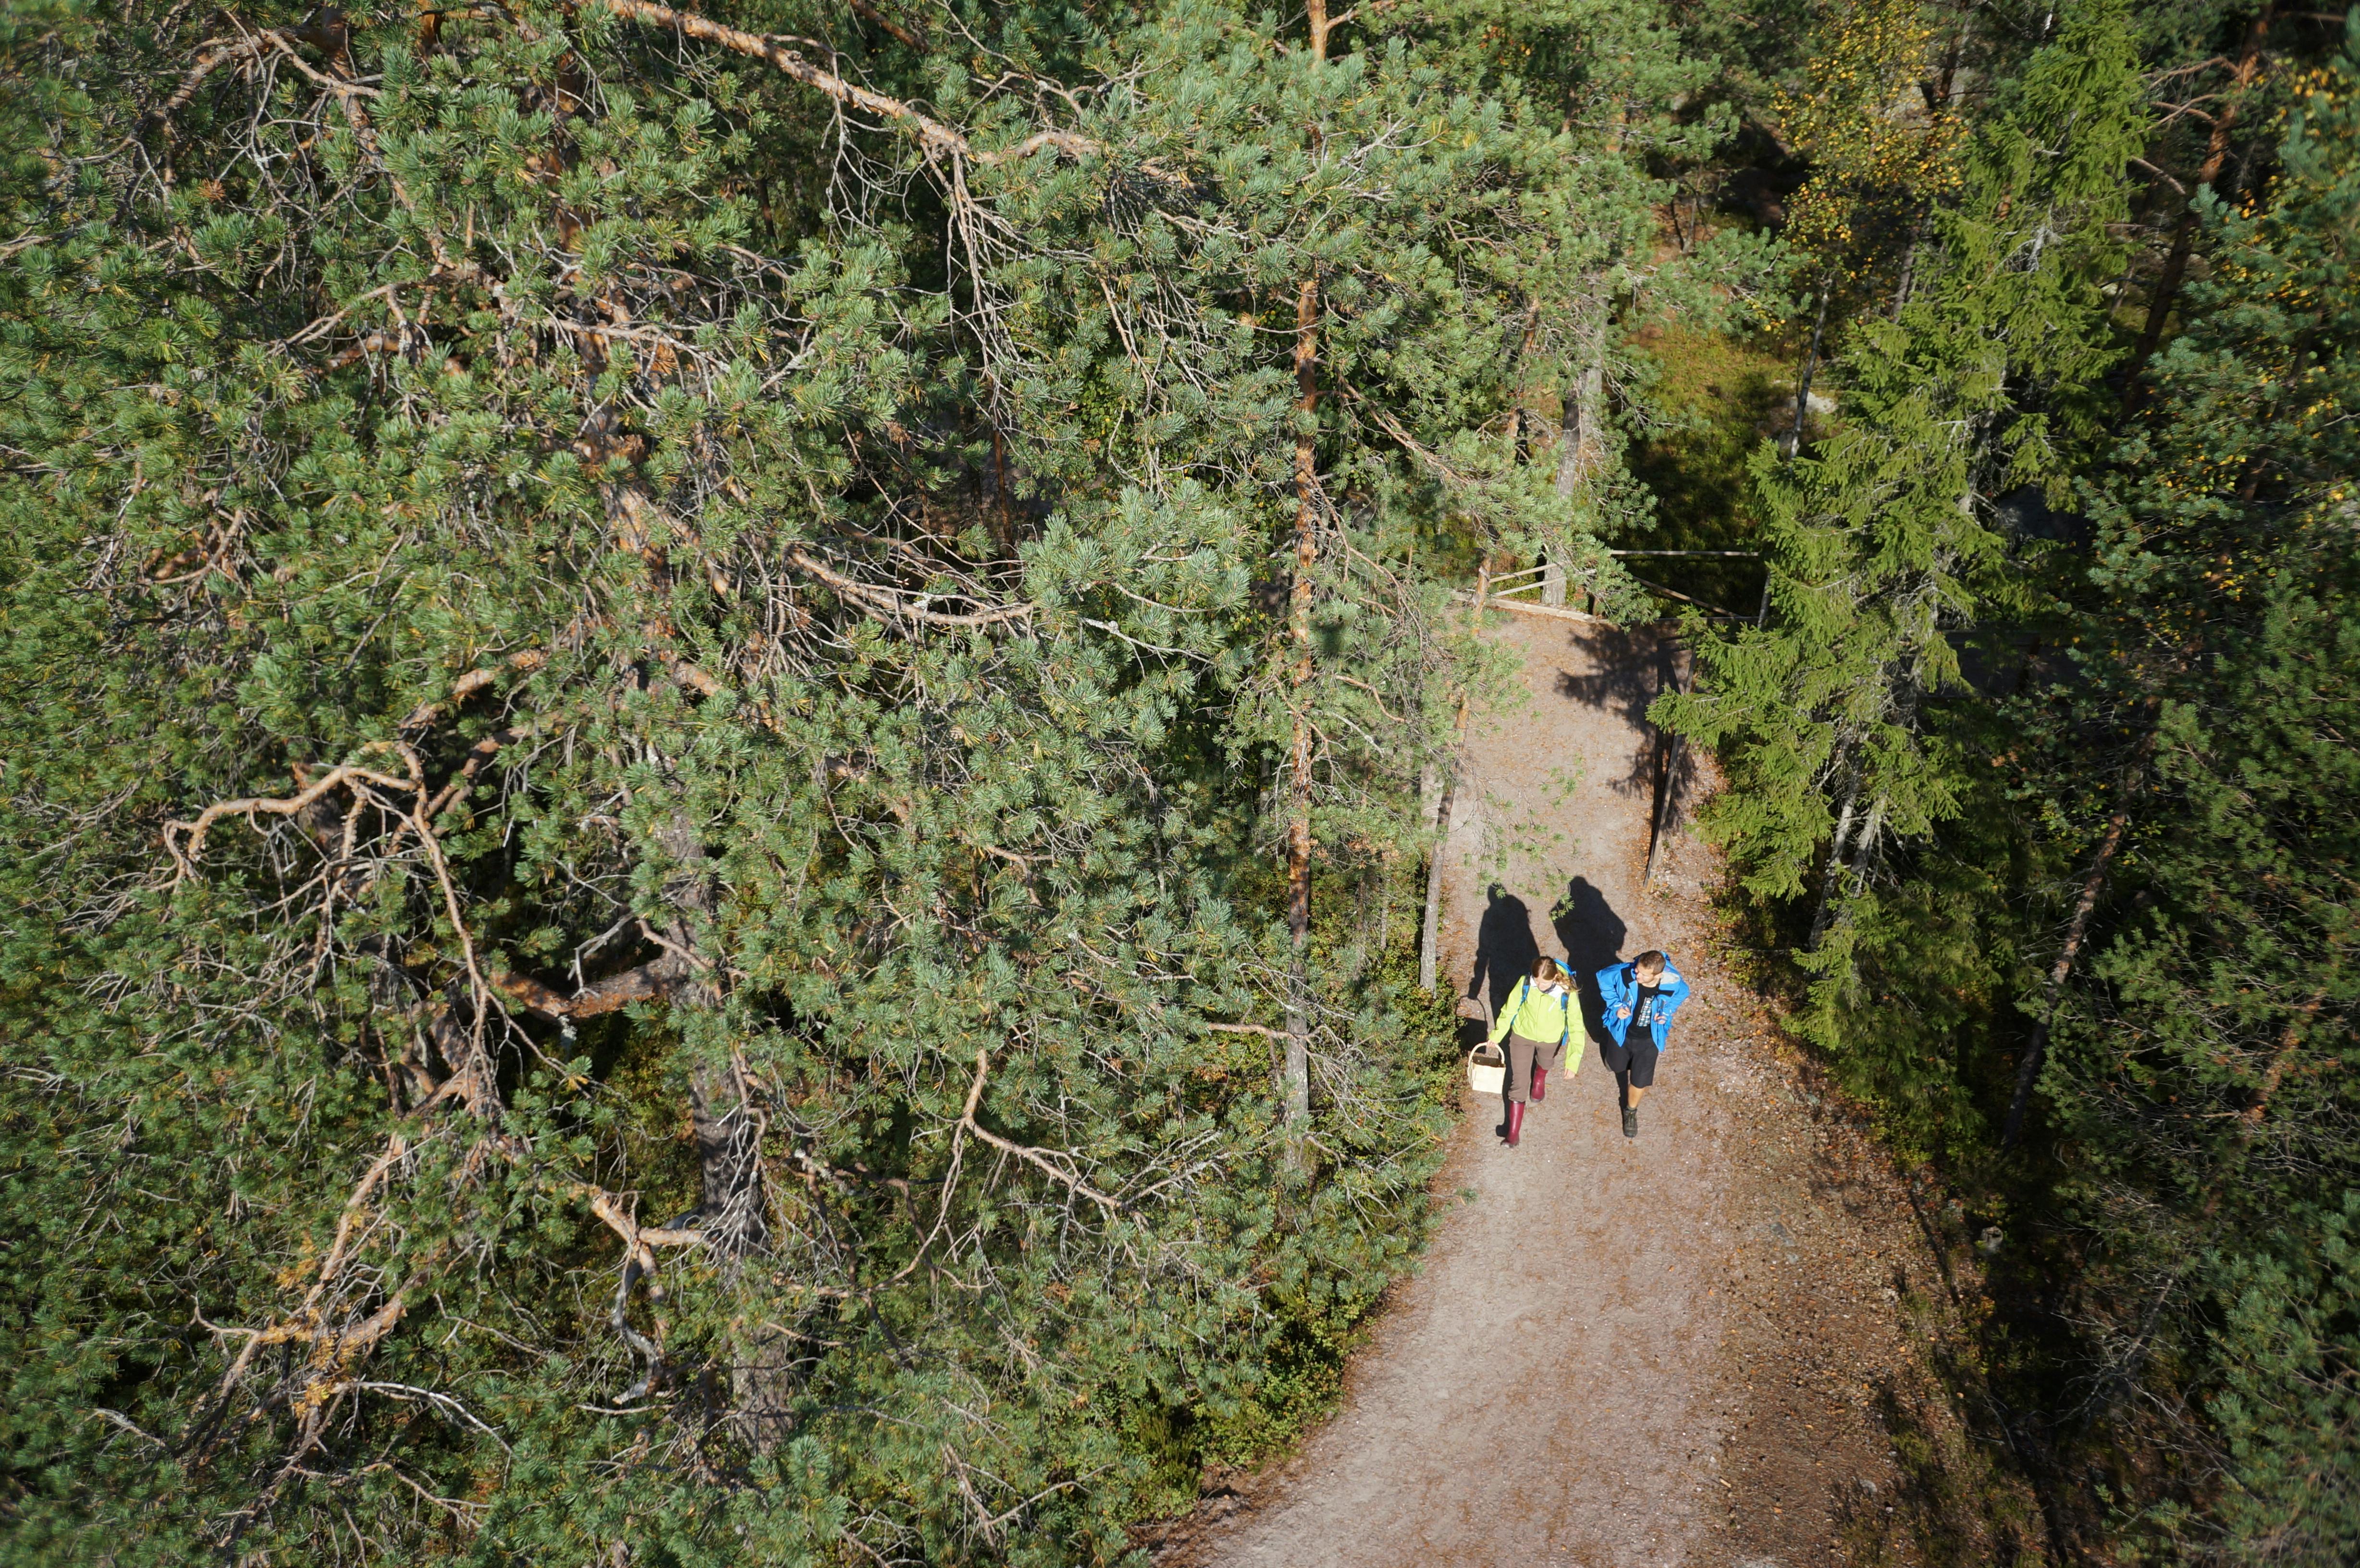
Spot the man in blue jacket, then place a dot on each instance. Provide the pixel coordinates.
(1644, 992)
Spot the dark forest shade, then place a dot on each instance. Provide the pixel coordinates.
(2080, 928)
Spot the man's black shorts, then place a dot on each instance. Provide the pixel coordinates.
(1636, 1054)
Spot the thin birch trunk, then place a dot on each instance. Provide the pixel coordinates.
(1803, 383)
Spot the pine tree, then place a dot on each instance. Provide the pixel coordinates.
(645, 911)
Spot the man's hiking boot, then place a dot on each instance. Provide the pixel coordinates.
(1515, 1122)
(1630, 1122)
(1540, 1084)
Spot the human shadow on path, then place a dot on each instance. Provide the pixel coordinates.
(1504, 950)
(1593, 936)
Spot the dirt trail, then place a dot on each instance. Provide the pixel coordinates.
(1687, 1350)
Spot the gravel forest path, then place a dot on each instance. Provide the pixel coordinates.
(1693, 1350)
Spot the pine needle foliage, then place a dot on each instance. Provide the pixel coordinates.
(643, 713)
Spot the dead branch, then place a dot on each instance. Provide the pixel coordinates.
(468, 685)
(1032, 1157)
(281, 41)
(212, 55)
(890, 602)
(637, 1238)
(483, 751)
(186, 841)
(302, 1325)
(914, 39)
(648, 982)
(1411, 444)
(932, 134)
(481, 1089)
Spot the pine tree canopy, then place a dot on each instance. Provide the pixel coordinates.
(653, 658)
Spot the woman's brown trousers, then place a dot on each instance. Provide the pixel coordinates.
(1522, 1055)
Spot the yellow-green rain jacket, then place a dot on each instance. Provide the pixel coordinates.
(1536, 1015)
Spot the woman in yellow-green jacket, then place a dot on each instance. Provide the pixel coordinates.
(1537, 1023)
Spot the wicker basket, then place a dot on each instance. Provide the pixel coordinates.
(1487, 1070)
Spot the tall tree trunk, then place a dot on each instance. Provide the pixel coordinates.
(1939, 102)
(1429, 938)
(1429, 942)
(1552, 561)
(727, 1126)
(1669, 749)
(1298, 1079)
(1295, 1089)
(724, 1120)
(1004, 516)
(1316, 17)
(1834, 869)
(1803, 382)
(1909, 260)
(1580, 446)
(1523, 353)
(1582, 418)
(2027, 1067)
(2183, 234)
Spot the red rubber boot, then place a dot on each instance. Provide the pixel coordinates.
(1515, 1122)
(1540, 1084)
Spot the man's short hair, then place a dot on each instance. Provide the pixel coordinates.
(1650, 962)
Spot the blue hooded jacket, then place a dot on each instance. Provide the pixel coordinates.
(1618, 986)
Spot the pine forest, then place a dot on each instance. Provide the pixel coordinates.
(721, 726)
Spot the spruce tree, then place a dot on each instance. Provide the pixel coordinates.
(1885, 542)
(2198, 1086)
